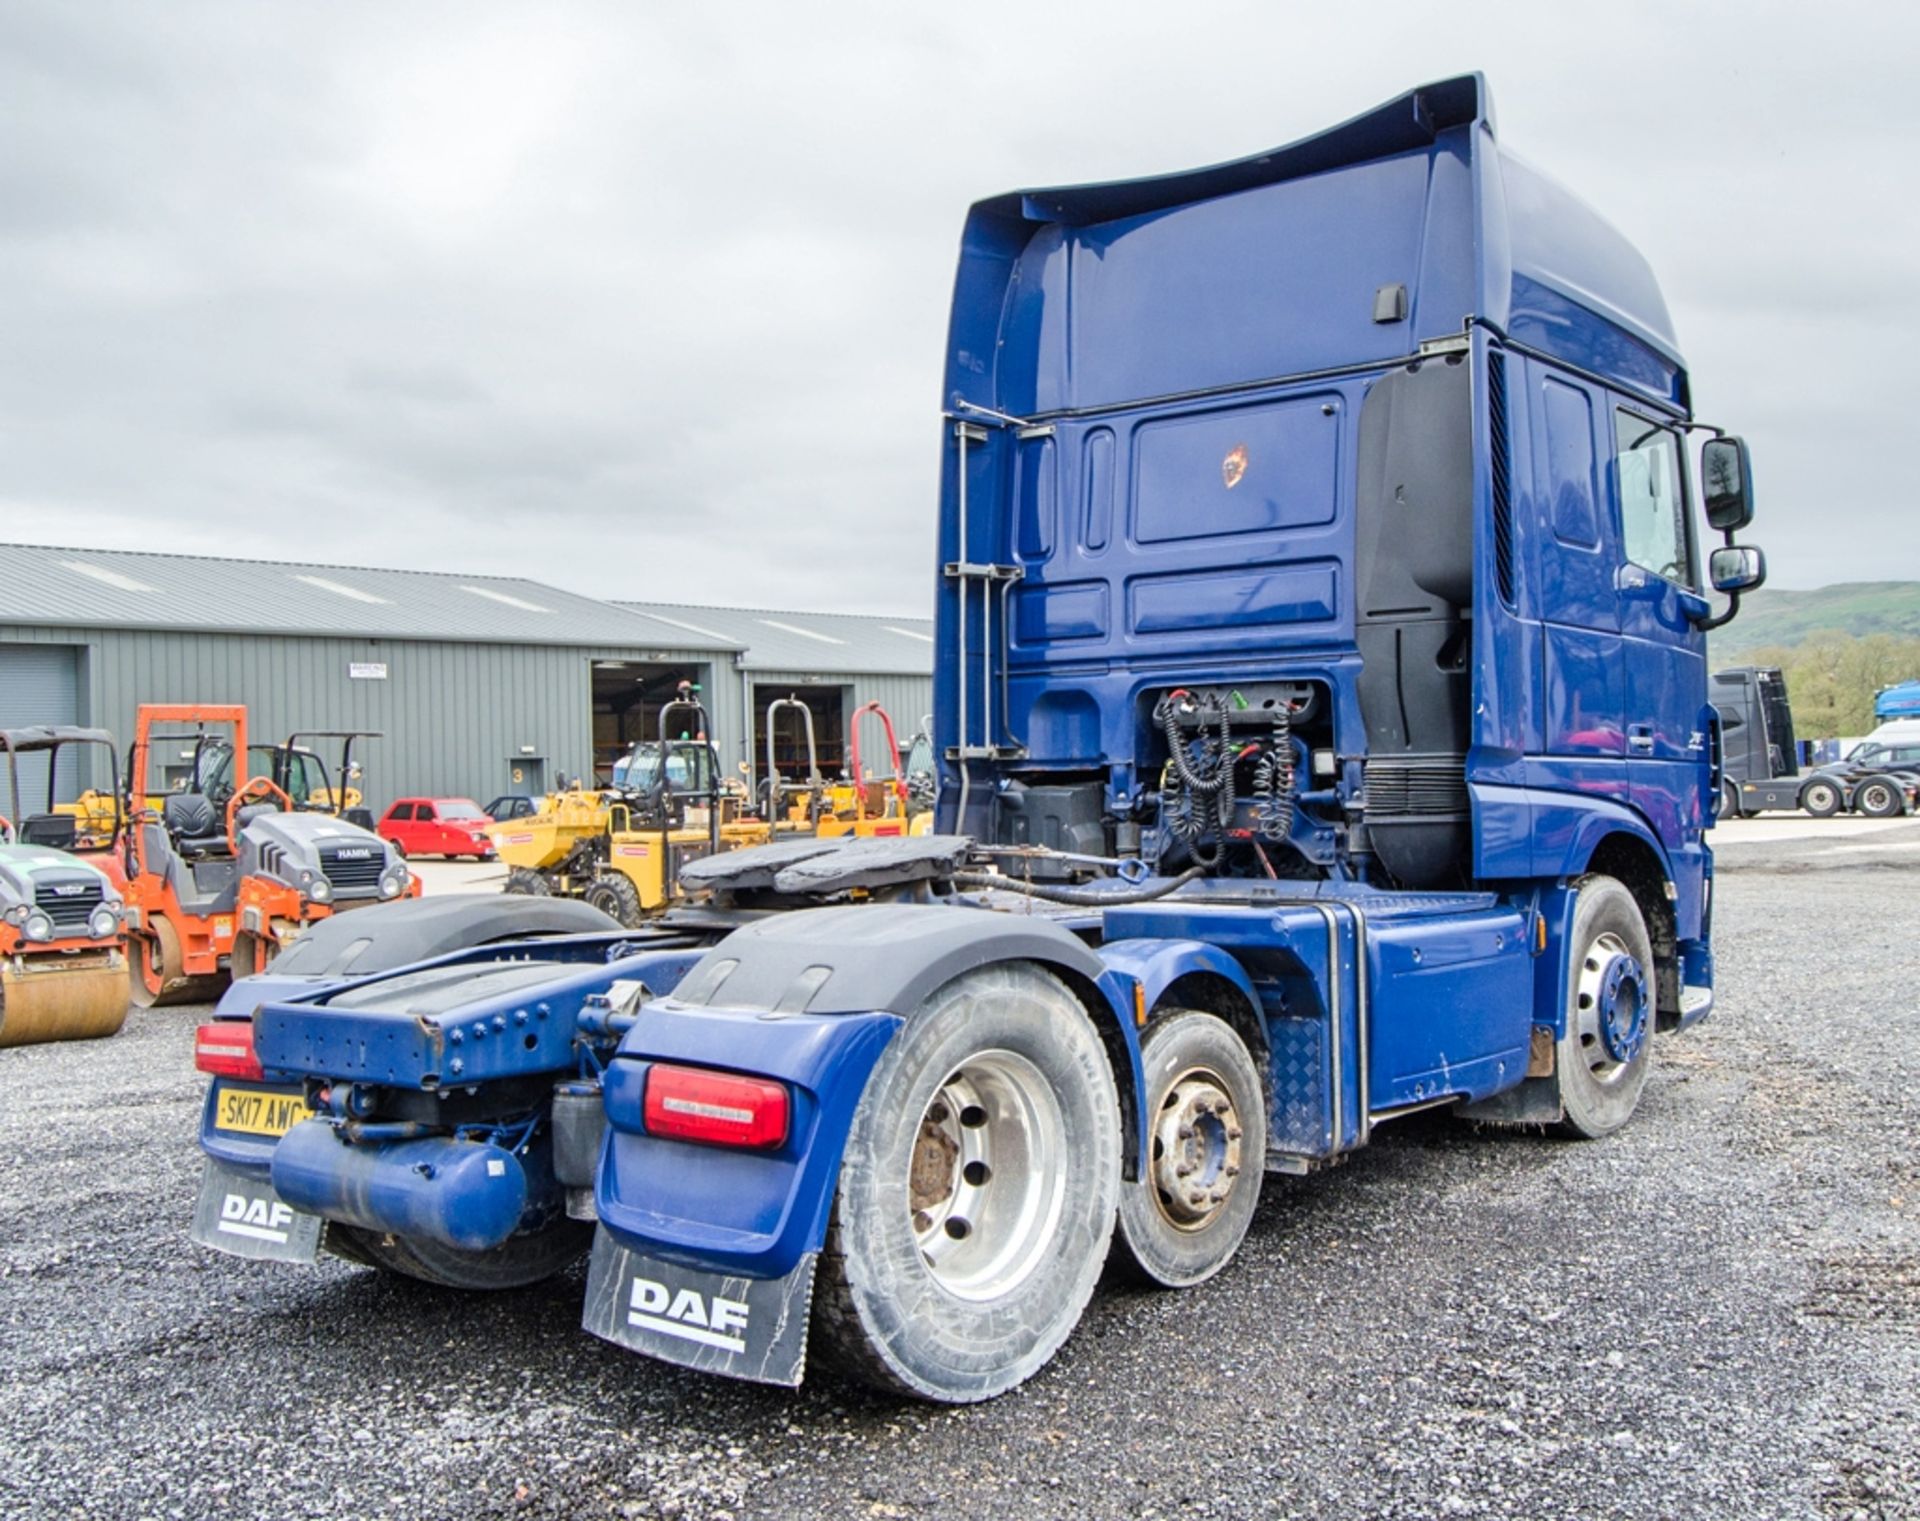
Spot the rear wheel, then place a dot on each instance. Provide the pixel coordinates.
(1604, 1056)
(519, 1261)
(1879, 798)
(977, 1192)
(1821, 798)
(1730, 799)
(617, 897)
(1206, 1128)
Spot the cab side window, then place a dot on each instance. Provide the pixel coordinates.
(1653, 511)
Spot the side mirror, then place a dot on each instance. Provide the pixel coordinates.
(1726, 473)
(1737, 568)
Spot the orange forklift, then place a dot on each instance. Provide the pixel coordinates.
(215, 891)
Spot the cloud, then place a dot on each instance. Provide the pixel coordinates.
(649, 301)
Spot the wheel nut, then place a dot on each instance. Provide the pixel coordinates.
(1183, 1169)
(1233, 1132)
(1184, 1133)
(1232, 1169)
(1196, 1198)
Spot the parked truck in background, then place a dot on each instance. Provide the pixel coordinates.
(1323, 733)
(1757, 742)
(1760, 768)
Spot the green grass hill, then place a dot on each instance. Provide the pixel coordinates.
(1780, 618)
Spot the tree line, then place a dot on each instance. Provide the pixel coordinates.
(1832, 678)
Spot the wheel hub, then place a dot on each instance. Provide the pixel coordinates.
(984, 1182)
(1197, 1143)
(1613, 1000)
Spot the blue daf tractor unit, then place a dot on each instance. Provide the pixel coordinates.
(1323, 736)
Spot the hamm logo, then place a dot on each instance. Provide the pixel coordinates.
(353, 852)
(688, 1315)
(257, 1219)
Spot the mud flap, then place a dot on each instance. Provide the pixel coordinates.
(749, 1328)
(242, 1215)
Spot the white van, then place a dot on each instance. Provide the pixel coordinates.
(1893, 731)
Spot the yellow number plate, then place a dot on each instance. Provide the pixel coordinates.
(259, 1111)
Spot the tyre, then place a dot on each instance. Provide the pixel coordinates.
(1603, 1059)
(519, 1261)
(398, 849)
(1821, 798)
(617, 897)
(1879, 798)
(1206, 1151)
(977, 1192)
(529, 884)
(1730, 799)
(156, 965)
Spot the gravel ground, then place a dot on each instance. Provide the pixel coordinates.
(1716, 1313)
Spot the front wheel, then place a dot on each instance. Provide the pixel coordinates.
(1607, 1049)
(1206, 1132)
(528, 884)
(1730, 799)
(977, 1192)
(1821, 798)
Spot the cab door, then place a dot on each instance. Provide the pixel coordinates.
(1582, 729)
(1664, 654)
(430, 833)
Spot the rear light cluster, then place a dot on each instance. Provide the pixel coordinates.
(225, 1049)
(718, 1108)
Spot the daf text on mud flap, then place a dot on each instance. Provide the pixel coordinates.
(688, 1315)
(260, 1219)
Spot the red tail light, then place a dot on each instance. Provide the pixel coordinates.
(693, 1104)
(225, 1049)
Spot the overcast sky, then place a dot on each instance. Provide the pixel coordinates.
(650, 301)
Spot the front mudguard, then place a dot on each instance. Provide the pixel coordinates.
(754, 1214)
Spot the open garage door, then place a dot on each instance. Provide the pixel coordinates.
(828, 706)
(627, 698)
(40, 684)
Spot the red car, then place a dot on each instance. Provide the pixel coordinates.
(437, 826)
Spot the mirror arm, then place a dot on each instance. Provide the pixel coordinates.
(1733, 607)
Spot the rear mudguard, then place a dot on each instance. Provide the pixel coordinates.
(751, 1213)
(1157, 964)
(811, 998)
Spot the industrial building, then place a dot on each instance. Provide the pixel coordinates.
(479, 685)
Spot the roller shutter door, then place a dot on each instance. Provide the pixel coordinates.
(39, 684)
